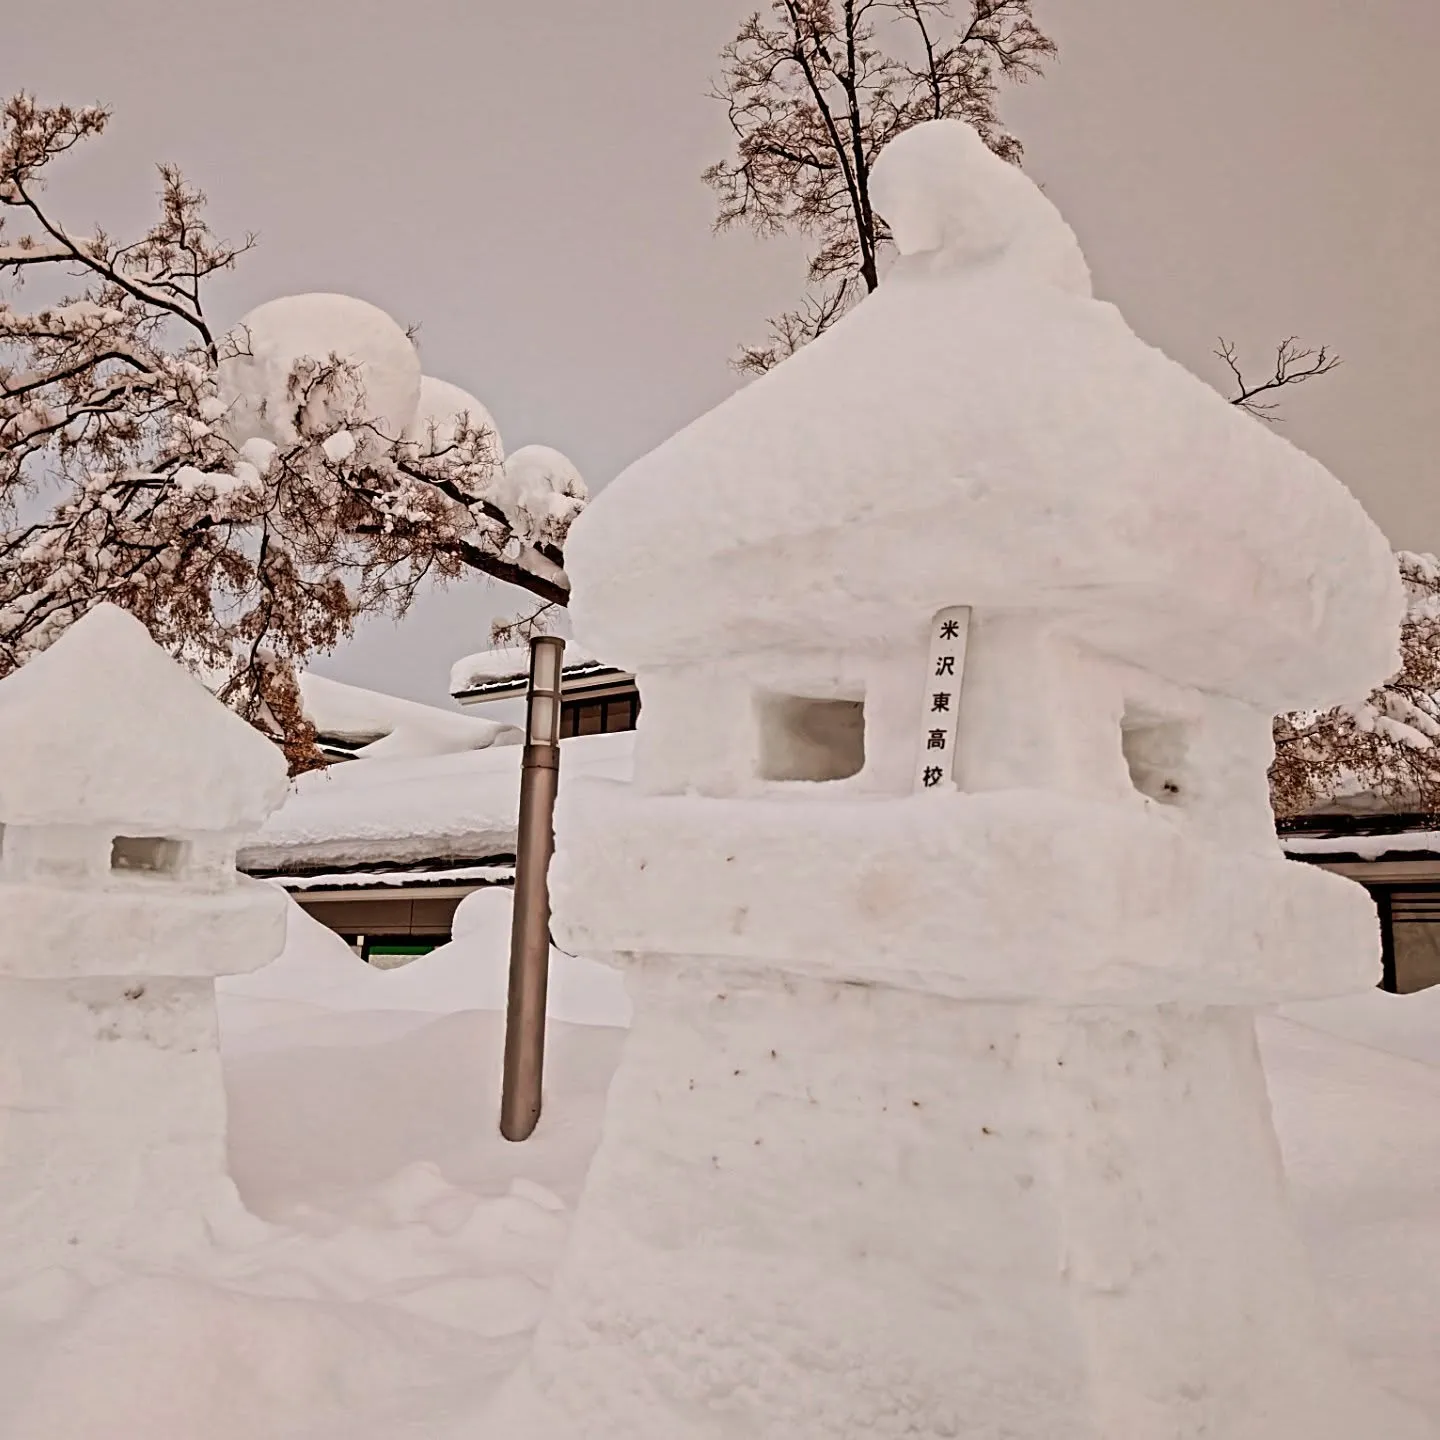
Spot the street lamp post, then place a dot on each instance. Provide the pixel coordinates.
(530, 929)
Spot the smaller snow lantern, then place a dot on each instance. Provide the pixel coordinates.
(947, 885)
(125, 788)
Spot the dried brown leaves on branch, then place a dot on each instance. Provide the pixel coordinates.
(118, 481)
(1386, 747)
(1294, 365)
(815, 89)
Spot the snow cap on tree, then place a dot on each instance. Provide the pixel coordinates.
(442, 409)
(540, 489)
(113, 732)
(255, 380)
(981, 431)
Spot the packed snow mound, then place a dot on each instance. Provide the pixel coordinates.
(315, 964)
(104, 728)
(946, 195)
(389, 728)
(273, 338)
(471, 972)
(540, 491)
(443, 410)
(987, 434)
(1407, 1025)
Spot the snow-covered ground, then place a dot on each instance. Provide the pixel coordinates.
(400, 1251)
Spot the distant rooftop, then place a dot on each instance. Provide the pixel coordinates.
(502, 673)
(352, 722)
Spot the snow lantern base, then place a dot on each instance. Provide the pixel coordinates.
(825, 1210)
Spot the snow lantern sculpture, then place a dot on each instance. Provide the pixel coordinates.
(946, 884)
(124, 788)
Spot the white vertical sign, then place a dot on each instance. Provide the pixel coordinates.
(940, 706)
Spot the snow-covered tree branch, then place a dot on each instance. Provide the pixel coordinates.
(1386, 746)
(247, 494)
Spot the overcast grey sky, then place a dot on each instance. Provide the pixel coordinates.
(520, 177)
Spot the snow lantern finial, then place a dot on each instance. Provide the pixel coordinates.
(944, 192)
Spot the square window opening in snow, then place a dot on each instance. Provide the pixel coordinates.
(804, 739)
(148, 855)
(1156, 753)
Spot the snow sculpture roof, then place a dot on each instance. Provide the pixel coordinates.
(982, 431)
(254, 385)
(114, 732)
(441, 405)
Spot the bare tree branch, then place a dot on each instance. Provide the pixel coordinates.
(815, 88)
(1294, 365)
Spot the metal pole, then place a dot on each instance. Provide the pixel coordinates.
(530, 928)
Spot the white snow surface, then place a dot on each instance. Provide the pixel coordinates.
(398, 1253)
(445, 807)
(1060, 900)
(1407, 1025)
(104, 728)
(438, 418)
(272, 338)
(540, 490)
(396, 879)
(471, 972)
(389, 728)
(981, 432)
(1364, 847)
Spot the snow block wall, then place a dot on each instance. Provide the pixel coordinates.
(124, 790)
(947, 884)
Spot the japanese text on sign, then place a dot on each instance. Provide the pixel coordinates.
(940, 720)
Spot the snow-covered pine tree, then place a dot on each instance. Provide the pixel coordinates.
(1385, 749)
(248, 529)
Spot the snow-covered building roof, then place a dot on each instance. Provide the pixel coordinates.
(502, 673)
(373, 726)
(443, 809)
(502, 662)
(114, 733)
(981, 431)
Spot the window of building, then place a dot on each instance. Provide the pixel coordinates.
(599, 717)
(1410, 924)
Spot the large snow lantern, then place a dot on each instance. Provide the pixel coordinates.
(947, 884)
(124, 790)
